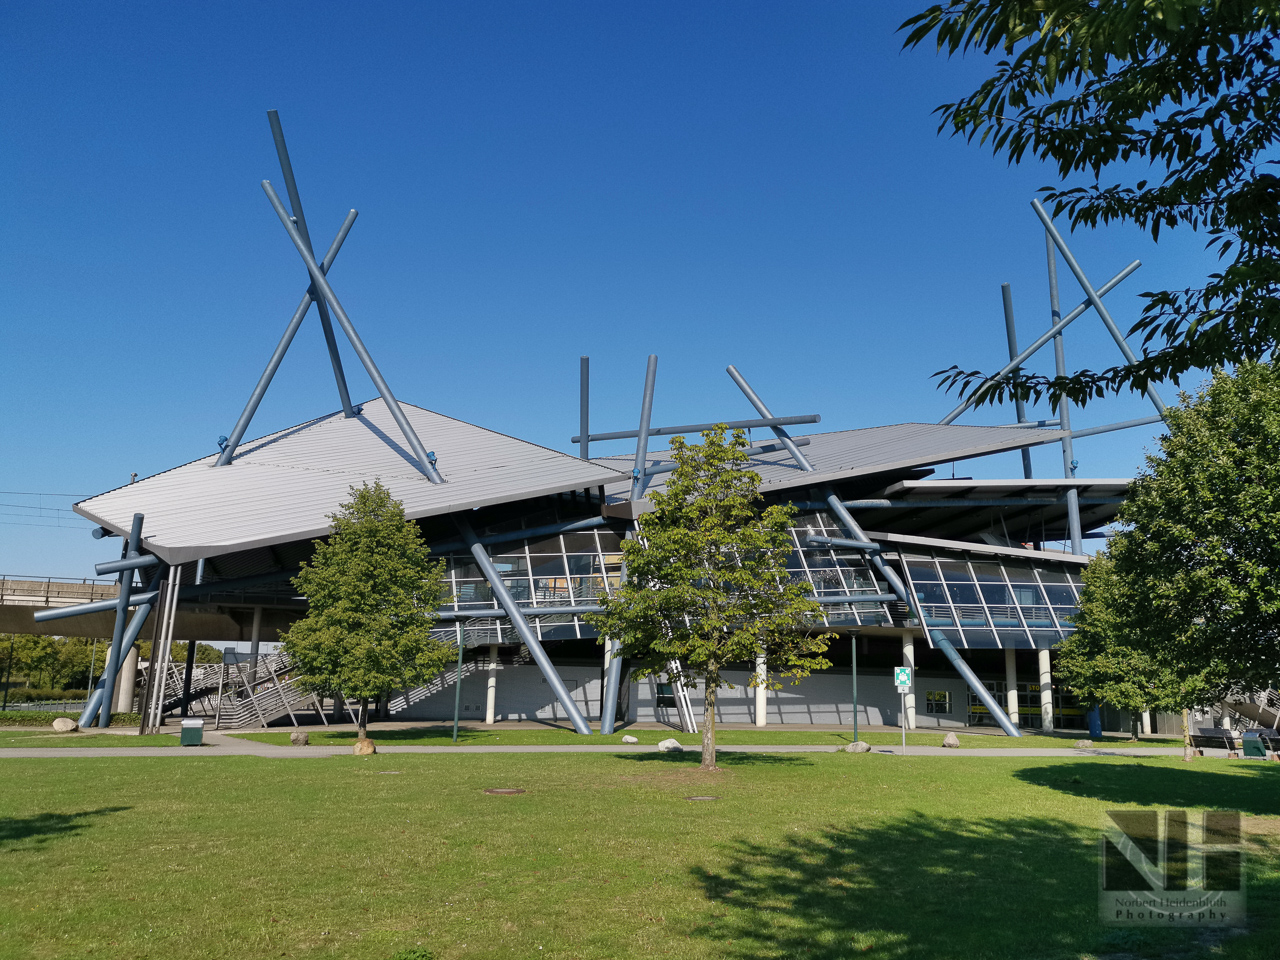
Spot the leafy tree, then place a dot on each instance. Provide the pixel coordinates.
(1180, 100)
(707, 585)
(372, 592)
(1197, 566)
(1106, 660)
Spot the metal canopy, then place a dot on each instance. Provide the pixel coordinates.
(281, 488)
(845, 454)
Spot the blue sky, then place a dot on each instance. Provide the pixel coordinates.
(750, 183)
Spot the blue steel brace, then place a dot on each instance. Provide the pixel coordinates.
(1011, 334)
(895, 582)
(125, 581)
(130, 637)
(642, 435)
(295, 201)
(526, 632)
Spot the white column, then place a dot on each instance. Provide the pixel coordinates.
(909, 660)
(1046, 693)
(1011, 685)
(762, 693)
(491, 691)
(1146, 722)
(128, 677)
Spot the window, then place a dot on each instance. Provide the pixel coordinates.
(937, 701)
(666, 696)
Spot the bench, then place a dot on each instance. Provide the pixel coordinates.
(1216, 738)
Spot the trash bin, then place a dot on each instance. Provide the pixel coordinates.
(1253, 746)
(192, 733)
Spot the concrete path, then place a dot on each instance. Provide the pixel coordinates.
(221, 745)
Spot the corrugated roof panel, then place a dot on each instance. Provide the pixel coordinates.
(282, 487)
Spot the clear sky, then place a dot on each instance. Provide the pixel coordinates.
(751, 183)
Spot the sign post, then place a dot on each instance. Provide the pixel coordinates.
(902, 680)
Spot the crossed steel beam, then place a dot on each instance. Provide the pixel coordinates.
(321, 294)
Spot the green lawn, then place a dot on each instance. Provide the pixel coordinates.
(441, 735)
(46, 738)
(820, 856)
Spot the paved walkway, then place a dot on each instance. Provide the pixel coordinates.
(221, 745)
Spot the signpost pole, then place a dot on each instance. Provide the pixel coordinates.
(855, 687)
(902, 680)
(903, 714)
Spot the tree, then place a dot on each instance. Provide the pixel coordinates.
(1106, 659)
(1188, 90)
(1197, 564)
(707, 585)
(372, 593)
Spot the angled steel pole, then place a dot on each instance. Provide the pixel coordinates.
(125, 580)
(526, 632)
(891, 577)
(1011, 334)
(1064, 406)
(286, 168)
(642, 437)
(425, 462)
(1044, 338)
(1094, 297)
(130, 636)
(584, 408)
(613, 667)
(264, 381)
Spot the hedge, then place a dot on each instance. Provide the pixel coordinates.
(37, 695)
(45, 718)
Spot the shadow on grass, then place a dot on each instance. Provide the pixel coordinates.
(1248, 787)
(42, 827)
(918, 886)
(692, 758)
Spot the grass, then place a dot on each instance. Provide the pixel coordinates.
(443, 735)
(44, 738)
(823, 856)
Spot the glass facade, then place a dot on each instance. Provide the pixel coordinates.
(995, 602)
(835, 572)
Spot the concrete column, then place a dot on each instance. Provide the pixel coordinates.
(255, 633)
(1011, 685)
(491, 691)
(1046, 693)
(128, 678)
(909, 660)
(762, 693)
(1146, 722)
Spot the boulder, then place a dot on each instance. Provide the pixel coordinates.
(65, 725)
(364, 748)
(1083, 743)
(858, 746)
(629, 739)
(299, 738)
(670, 746)
(951, 740)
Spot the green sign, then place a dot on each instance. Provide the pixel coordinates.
(902, 678)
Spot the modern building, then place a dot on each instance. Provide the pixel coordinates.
(913, 565)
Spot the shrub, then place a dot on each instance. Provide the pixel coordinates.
(42, 718)
(41, 694)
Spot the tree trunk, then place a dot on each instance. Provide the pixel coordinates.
(1135, 724)
(709, 722)
(362, 725)
(337, 708)
(1188, 752)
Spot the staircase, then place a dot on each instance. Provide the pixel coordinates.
(255, 692)
(1260, 709)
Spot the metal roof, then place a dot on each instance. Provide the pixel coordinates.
(844, 454)
(904, 542)
(282, 487)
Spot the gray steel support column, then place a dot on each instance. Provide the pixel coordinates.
(976, 685)
(613, 668)
(264, 381)
(295, 201)
(1093, 296)
(642, 437)
(108, 682)
(191, 654)
(1044, 338)
(127, 641)
(425, 463)
(1011, 334)
(526, 633)
(1064, 407)
(584, 408)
